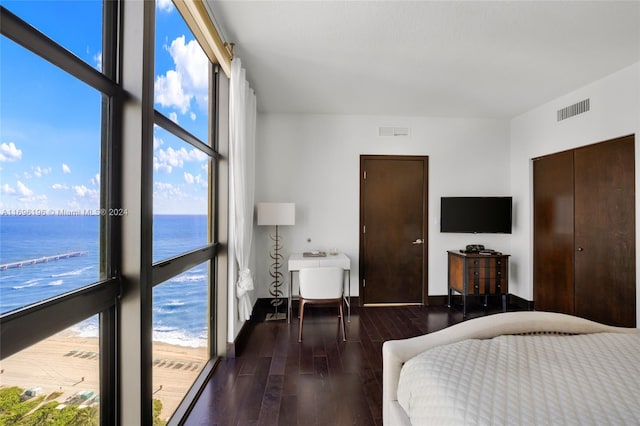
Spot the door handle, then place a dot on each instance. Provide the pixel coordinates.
(417, 241)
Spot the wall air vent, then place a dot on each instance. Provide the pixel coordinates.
(393, 131)
(573, 110)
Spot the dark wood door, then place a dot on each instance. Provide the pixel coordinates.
(605, 256)
(553, 233)
(393, 217)
(584, 232)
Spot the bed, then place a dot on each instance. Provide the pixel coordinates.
(514, 368)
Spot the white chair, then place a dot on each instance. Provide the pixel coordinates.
(322, 285)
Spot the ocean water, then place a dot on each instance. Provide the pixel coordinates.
(179, 305)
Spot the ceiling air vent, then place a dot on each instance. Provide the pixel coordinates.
(572, 110)
(393, 131)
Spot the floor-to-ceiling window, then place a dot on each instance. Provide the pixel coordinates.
(184, 162)
(64, 216)
(58, 224)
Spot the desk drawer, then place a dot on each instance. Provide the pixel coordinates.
(487, 276)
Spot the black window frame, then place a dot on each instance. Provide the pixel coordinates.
(48, 317)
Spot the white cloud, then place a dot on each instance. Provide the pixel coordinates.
(9, 152)
(189, 79)
(165, 5)
(65, 169)
(34, 201)
(172, 157)
(96, 179)
(161, 167)
(166, 160)
(193, 116)
(98, 60)
(166, 191)
(197, 179)
(59, 186)
(23, 190)
(173, 116)
(163, 186)
(169, 92)
(7, 189)
(157, 142)
(83, 191)
(172, 199)
(39, 172)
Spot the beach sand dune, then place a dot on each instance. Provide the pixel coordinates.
(70, 364)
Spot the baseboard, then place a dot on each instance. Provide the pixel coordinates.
(524, 304)
(258, 313)
(237, 347)
(456, 299)
(437, 300)
(263, 306)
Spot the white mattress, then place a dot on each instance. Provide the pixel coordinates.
(526, 380)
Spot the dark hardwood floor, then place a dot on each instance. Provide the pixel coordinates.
(322, 381)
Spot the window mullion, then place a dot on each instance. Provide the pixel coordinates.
(135, 328)
(51, 316)
(22, 33)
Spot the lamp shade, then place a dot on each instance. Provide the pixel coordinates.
(276, 214)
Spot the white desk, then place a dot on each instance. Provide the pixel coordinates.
(297, 261)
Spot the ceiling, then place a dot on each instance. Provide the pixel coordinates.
(426, 58)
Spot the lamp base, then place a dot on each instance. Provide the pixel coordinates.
(276, 316)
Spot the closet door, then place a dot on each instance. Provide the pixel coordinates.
(605, 287)
(553, 240)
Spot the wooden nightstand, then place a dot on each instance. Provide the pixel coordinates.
(478, 274)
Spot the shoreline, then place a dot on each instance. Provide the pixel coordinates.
(68, 363)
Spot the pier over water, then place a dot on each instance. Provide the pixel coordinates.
(43, 259)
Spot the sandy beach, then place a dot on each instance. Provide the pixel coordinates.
(69, 364)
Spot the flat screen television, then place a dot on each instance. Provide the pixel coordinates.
(475, 215)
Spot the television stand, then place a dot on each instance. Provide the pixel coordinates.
(475, 274)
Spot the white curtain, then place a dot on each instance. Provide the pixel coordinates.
(242, 132)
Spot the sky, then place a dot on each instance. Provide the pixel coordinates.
(50, 122)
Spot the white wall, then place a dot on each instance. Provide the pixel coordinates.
(615, 111)
(314, 161)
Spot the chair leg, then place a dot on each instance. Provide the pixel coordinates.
(301, 315)
(344, 335)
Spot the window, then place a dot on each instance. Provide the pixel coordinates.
(75, 25)
(56, 216)
(181, 89)
(180, 335)
(55, 381)
(182, 157)
(183, 207)
(75, 147)
(180, 196)
(50, 141)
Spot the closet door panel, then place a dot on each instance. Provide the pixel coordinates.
(605, 232)
(553, 233)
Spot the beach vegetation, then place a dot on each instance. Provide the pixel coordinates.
(17, 410)
(157, 409)
(42, 416)
(14, 406)
(9, 397)
(54, 395)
